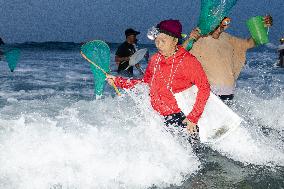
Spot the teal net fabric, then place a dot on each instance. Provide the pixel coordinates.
(98, 52)
(212, 13)
(12, 58)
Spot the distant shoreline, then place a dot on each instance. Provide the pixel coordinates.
(61, 45)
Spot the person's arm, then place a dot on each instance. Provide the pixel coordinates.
(268, 22)
(250, 43)
(199, 79)
(119, 59)
(125, 83)
(130, 83)
(121, 54)
(240, 47)
(194, 35)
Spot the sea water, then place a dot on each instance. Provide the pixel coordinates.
(54, 134)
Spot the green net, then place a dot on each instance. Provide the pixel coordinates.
(99, 53)
(212, 13)
(12, 57)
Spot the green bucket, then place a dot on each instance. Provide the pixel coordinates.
(258, 30)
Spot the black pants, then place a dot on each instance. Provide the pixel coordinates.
(175, 120)
(281, 58)
(226, 97)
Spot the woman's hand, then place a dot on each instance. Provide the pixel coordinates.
(191, 127)
(110, 79)
(195, 34)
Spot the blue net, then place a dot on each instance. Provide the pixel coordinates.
(99, 53)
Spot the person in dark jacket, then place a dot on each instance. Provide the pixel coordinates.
(124, 51)
(1, 43)
(281, 53)
(171, 70)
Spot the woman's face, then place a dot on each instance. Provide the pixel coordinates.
(166, 44)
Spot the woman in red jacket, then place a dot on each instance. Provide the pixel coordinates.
(171, 70)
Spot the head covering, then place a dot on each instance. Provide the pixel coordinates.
(282, 40)
(131, 31)
(170, 27)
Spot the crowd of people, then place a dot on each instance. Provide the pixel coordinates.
(213, 64)
(172, 69)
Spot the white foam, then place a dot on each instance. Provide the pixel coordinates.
(92, 145)
(249, 143)
(244, 147)
(49, 140)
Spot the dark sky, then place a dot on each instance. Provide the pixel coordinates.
(83, 20)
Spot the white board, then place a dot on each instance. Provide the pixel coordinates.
(137, 57)
(217, 120)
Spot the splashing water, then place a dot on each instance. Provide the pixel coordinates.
(54, 135)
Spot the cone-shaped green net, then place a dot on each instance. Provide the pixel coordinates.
(98, 52)
(12, 57)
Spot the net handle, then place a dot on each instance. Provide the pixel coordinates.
(91, 62)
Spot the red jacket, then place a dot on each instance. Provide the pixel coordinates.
(172, 75)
